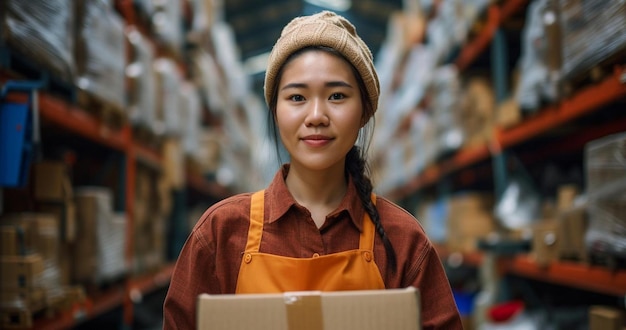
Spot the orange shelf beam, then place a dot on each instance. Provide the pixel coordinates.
(584, 102)
(474, 259)
(495, 16)
(591, 278)
(146, 283)
(91, 308)
(78, 121)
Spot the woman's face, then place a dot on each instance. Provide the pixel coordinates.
(319, 110)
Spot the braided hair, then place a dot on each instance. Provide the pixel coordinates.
(355, 165)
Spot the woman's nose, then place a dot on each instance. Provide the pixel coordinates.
(317, 114)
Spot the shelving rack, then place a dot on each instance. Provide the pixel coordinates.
(62, 114)
(583, 102)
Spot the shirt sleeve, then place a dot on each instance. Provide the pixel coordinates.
(194, 273)
(439, 309)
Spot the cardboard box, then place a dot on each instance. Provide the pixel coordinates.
(21, 272)
(51, 182)
(396, 309)
(606, 318)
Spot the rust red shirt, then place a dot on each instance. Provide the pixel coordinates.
(209, 262)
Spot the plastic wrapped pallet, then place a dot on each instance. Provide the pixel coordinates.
(141, 79)
(605, 160)
(101, 52)
(165, 21)
(168, 84)
(99, 250)
(535, 87)
(445, 105)
(191, 117)
(592, 32)
(39, 29)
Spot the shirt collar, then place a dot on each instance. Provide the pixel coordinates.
(281, 200)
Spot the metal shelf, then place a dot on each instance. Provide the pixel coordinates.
(591, 278)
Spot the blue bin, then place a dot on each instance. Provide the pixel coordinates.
(464, 302)
(15, 144)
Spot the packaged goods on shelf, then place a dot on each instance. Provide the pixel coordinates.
(477, 112)
(470, 218)
(100, 53)
(538, 80)
(519, 205)
(445, 105)
(228, 57)
(210, 80)
(141, 79)
(167, 24)
(168, 82)
(36, 234)
(191, 113)
(39, 29)
(152, 205)
(99, 250)
(605, 163)
(206, 159)
(204, 14)
(174, 163)
(592, 32)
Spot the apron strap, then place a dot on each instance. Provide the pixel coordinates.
(366, 241)
(256, 221)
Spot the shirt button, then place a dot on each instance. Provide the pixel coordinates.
(367, 256)
(315, 255)
(247, 258)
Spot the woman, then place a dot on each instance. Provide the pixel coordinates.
(317, 226)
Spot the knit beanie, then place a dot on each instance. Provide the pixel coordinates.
(323, 29)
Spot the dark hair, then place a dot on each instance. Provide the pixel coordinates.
(356, 165)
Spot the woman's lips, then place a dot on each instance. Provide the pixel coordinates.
(316, 140)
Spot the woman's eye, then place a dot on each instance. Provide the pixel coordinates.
(296, 98)
(337, 96)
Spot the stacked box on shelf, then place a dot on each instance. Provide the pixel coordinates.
(191, 120)
(168, 84)
(39, 30)
(605, 163)
(477, 112)
(98, 252)
(37, 233)
(164, 18)
(539, 59)
(54, 195)
(592, 32)
(141, 80)
(470, 218)
(152, 205)
(445, 89)
(100, 56)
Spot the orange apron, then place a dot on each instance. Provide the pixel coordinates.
(268, 273)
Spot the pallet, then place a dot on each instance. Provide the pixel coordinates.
(593, 75)
(22, 318)
(147, 137)
(20, 66)
(110, 114)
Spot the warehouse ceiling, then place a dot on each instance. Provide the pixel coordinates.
(257, 23)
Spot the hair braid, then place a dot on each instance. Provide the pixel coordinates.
(355, 165)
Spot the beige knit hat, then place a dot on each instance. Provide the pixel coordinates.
(323, 29)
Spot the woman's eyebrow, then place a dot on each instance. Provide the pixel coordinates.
(294, 85)
(328, 84)
(338, 84)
